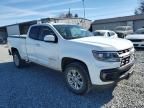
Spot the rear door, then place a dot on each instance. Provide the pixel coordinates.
(32, 43)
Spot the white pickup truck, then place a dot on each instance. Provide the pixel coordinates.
(84, 59)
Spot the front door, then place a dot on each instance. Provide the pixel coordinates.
(47, 52)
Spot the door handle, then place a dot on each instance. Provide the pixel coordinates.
(37, 45)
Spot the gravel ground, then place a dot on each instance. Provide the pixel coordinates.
(38, 87)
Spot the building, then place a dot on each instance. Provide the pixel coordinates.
(22, 28)
(85, 23)
(136, 21)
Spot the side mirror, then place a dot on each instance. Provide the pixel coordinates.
(50, 38)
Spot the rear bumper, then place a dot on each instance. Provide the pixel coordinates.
(116, 74)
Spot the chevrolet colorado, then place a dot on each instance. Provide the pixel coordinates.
(84, 59)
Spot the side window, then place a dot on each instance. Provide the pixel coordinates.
(112, 33)
(34, 33)
(108, 33)
(44, 30)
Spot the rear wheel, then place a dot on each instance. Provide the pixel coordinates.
(77, 78)
(17, 59)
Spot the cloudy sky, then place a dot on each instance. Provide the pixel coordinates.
(15, 11)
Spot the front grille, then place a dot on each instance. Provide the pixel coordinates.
(125, 60)
(136, 40)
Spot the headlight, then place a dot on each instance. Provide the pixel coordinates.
(106, 56)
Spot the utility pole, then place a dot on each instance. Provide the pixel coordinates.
(69, 13)
(83, 1)
(84, 7)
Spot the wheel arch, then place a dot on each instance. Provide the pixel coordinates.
(13, 49)
(67, 60)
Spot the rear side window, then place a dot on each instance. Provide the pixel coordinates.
(34, 33)
(112, 33)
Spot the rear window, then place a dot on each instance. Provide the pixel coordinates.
(121, 28)
(140, 31)
(112, 33)
(34, 33)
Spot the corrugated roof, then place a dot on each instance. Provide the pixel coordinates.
(41, 20)
(65, 18)
(119, 19)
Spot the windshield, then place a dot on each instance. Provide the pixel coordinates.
(72, 31)
(140, 31)
(99, 33)
(121, 28)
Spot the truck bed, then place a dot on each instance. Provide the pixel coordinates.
(19, 42)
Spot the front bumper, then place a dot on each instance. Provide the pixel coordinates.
(116, 74)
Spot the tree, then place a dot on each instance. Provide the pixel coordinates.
(68, 15)
(140, 9)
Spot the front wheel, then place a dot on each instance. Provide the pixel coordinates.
(77, 78)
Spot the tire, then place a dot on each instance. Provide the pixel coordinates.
(17, 60)
(77, 78)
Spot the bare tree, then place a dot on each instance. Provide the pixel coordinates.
(140, 9)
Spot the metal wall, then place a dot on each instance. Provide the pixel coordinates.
(108, 26)
(138, 24)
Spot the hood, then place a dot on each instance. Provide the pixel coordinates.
(135, 36)
(112, 44)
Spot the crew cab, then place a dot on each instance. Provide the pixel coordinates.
(85, 60)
